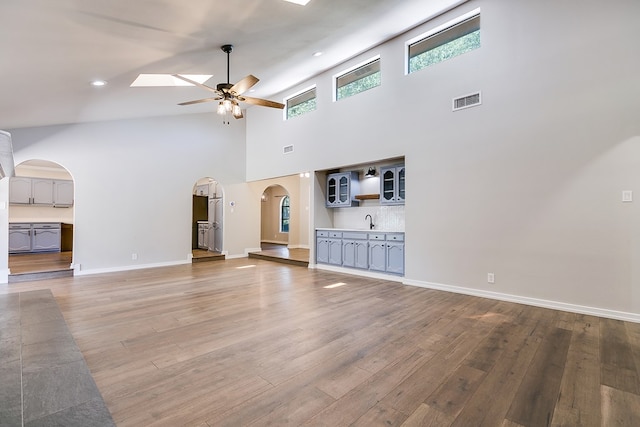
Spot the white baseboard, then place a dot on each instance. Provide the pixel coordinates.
(4, 275)
(357, 272)
(80, 272)
(555, 305)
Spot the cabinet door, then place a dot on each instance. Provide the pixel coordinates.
(332, 190)
(344, 197)
(395, 258)
(63, 193)
(20, 190)
(19, 240)
(45, 239)
(400, 184)
(42, 191)
(348, 253)
(322, 251)
(335, 252)
(387, 185)
(361, 249)
(377, 256)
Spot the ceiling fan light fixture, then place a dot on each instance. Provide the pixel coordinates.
(236, 111)
(221, 110)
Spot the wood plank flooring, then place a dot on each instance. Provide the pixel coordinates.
(251, 342)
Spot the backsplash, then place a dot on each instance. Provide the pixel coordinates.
(385, 218)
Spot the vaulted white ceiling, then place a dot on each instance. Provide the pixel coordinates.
(52, 49)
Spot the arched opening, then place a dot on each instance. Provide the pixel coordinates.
(41, 221)
(275, 217)
(207, 231)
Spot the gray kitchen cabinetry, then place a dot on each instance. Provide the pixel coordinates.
(34, 237)
(392, 185)
(354, 250)
(377, 252)
(342, 187)
(19, 238)
(40, 192)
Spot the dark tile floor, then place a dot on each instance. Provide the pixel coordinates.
(45, 380)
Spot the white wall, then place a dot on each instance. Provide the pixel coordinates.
(134, 181)
(528, 185)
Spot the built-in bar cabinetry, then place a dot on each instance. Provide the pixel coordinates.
(40, 191)
(342, 188)
(34, 237)
(392, 185)
(374, 251)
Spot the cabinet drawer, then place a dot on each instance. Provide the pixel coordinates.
(18, 226)
(335, 234)
(396, 237)
(322, 233)
(354, 235)
(376, 236)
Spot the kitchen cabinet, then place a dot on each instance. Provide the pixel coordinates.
(342, 188)
(62, 193)
(378, 252)
(202, 190)
(34, 237)
(203, 235)
(45, 237)
(392, 185)
(354, 250)
(19, 238)
(40, 192)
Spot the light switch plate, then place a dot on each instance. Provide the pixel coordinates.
(627, 196)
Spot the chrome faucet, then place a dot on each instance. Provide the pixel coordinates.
(371, 225)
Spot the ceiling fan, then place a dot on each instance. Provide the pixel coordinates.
(230, 94)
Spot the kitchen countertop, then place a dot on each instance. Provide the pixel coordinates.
(359, 230)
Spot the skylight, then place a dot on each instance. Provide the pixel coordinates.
(156, 80)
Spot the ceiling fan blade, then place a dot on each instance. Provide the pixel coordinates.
(261, 102)
(195, 83)
(244, 85)
(198, 101)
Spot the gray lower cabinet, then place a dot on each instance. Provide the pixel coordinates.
(34, 237)
(354, 250)
(379, 252)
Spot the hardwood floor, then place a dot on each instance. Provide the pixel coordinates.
(39, 262)
(250, 342)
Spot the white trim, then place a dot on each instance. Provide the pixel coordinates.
(297, 246)
(4, 273)
(555, 305)
(248, 250)
(357, 272)
(79, 272)
(433, 31)
(348, 70)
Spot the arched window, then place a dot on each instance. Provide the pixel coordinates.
(284, 214)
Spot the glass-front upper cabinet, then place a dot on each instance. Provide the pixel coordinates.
(392, 185)
(342, 188)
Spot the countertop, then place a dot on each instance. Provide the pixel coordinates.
(359, 230)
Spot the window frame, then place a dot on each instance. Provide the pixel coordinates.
(285, 113)
(432, 32)
(346, 71)
(282, 218)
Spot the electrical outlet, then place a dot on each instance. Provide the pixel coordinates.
(134, 257)
(627, 196)
(491, 278)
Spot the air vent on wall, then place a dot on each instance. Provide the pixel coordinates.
(466, 101)
(287, 149)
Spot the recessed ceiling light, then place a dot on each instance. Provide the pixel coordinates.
(317, 53)
(98, 83)
(155, 80)
(300, 2)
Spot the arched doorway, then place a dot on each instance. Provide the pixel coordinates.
(207, 231)
(41, 221)
(275, 217)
